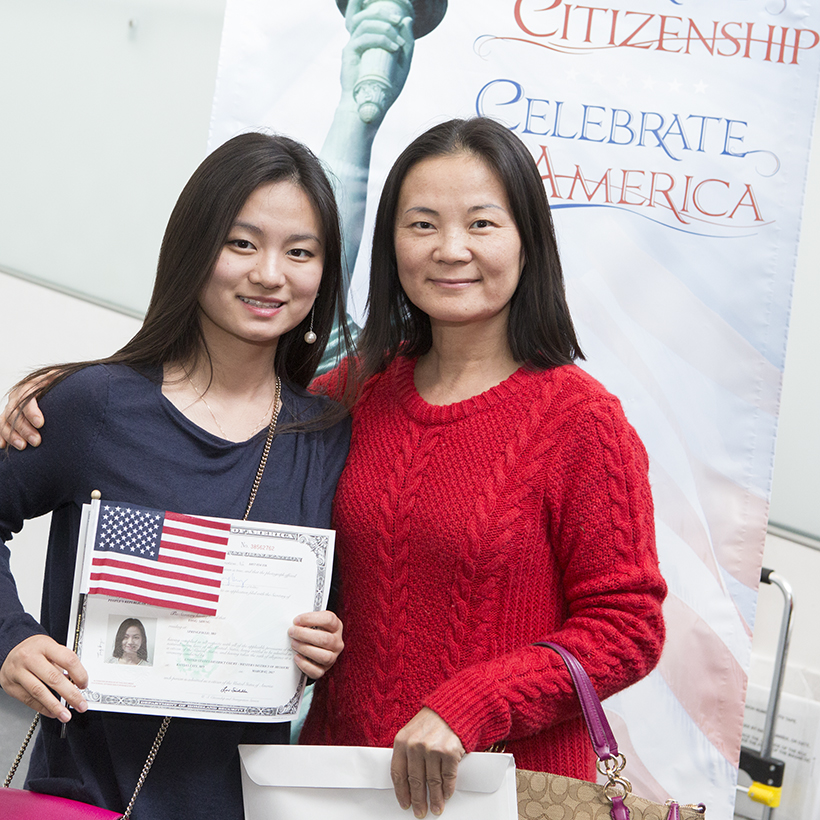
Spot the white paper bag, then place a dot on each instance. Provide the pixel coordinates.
(353, 783)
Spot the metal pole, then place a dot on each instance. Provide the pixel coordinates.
(770, 577)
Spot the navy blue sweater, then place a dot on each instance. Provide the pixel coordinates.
(110, 428)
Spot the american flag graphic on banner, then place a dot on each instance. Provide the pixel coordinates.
(159, 558)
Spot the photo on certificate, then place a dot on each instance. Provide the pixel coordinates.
(188, 615)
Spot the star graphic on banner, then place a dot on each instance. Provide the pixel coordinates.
(700, 88)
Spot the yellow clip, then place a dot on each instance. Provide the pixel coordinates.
(768, 795)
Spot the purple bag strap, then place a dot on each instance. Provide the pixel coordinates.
(600, 732)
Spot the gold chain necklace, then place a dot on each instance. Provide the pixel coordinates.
(277, 390)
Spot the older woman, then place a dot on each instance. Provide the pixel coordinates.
(494, 494)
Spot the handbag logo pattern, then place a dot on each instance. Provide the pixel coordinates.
(544, 796)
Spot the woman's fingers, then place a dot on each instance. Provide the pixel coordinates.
(417, 777)
(18, 427)
(433, 775)
(426, 754)
(449, 772)
(316, 637)
(39, 671)
(398, 774)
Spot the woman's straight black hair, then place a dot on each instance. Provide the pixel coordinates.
(540, 330)
(196, 233)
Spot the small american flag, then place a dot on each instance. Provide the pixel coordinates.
(160, 558)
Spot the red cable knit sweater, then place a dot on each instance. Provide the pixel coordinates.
(468, 531)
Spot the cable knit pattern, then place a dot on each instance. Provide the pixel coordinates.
(468, 531)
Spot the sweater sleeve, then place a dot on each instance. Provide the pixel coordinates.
(600, 527)
(38, 480)
(331, 384)
(342, 383)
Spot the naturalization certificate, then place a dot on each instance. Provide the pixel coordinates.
(188, 615)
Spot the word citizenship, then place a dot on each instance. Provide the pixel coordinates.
(570, 27)
(669, 199)
(507, 101)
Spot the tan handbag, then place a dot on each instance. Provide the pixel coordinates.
(543, 796)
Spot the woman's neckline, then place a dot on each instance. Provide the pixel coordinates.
(190, 423)
(416, 406)
(154, 375)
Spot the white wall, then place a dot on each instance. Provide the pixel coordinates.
(797, 729)
(105, 107)
(41, 326)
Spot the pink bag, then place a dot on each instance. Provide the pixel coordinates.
(22, 804)
(25, 805)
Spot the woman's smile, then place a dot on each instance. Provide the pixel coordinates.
(268, 305)
(453, 283)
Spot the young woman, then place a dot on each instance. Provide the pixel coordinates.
(248, 286)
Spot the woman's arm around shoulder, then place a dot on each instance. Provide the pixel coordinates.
(20, 423)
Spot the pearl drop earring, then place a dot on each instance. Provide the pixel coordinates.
(310, 336)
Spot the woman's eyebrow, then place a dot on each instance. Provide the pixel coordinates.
(485, 207)
(304, 237)
(294, 237)
(248, 226)
(422, 209)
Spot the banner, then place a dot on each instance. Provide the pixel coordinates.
(673, 139)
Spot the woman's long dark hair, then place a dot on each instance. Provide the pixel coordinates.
(540, 330)
(195, 235)
(142, 652)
